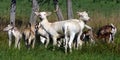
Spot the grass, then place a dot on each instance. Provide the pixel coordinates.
(43, 54)
(101, 13)
(95, 52)
(23, 8)
(40, 53)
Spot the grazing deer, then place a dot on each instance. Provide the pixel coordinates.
(12, 30)
(107, 33)
(88, 36)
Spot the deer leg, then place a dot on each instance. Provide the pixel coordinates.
(16, 42)
(66, 43)
(54, 42)
(110, 38)
(19, 44)
(71, 41)
(10, 38)
(47, 42)
(33, 44)
(79, 41)
(29, 42)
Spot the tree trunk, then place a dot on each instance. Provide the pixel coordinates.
(58, 10)
(35, 8)
(12, 12)
(69, 9)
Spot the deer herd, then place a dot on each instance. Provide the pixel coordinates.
(66, 33)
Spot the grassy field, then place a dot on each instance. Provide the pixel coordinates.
(101, 13)
(96, 52)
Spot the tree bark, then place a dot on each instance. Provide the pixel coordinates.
(69, 9)
(12, 12)
(58, 10)
(35, 8)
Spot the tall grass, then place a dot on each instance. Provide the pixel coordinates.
(101, 13)
(23, 8)
(96, 52)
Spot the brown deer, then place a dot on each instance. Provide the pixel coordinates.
(29, 34)
(107, 33)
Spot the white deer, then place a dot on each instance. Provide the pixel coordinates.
(12, 30)
(74, 27)
(56, 29)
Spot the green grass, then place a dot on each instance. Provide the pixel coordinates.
(49, 55)
(101, 13)
(23, 8)
(95, 52)
(40, 53)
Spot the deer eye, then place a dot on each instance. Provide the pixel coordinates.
(39, 15)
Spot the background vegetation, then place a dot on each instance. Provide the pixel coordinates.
(102, 12)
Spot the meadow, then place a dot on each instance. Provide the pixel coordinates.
(101, 13)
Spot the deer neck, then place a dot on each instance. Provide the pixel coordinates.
(45, 21)
(82, 20)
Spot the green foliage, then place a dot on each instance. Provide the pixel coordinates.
(24, 7)
(101, 13)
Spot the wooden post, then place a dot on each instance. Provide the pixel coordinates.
(69, 9)
(58, 10)
(12, 12)
(35, 8)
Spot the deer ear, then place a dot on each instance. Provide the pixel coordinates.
(77, 12)
(49, 13)
(36, 13)
(85, 11)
